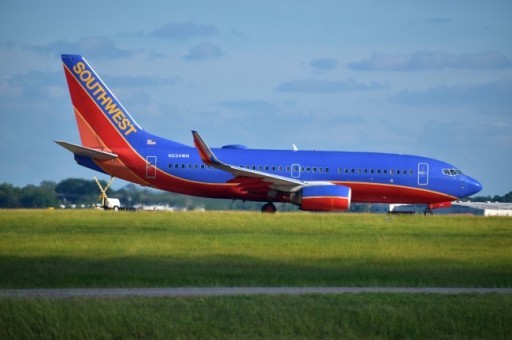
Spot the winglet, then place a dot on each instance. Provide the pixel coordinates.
(207, 156)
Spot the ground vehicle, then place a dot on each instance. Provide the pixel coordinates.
(112, 203)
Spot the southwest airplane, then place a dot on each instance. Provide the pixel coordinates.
(113, 143)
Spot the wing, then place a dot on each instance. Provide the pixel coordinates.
(250, 180)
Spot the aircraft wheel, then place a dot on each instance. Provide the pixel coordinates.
(268, 208)
(428, 212)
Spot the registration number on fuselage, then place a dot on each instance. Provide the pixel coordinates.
(179, 155)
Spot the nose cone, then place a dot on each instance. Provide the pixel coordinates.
(473, 186)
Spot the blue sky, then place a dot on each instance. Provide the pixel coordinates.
(431, 78)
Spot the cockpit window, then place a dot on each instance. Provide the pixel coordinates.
(452, 172)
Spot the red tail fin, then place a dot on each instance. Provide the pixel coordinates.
(102, 121)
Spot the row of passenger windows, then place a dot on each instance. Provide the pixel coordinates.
(375, 171)
(279, 168)
(313, 169)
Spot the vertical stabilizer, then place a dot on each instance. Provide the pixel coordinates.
(102, 121)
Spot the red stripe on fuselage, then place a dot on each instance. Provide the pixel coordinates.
(390, 193)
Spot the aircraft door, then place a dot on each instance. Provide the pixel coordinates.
(151, 167)
(422, 173)
(295, 171)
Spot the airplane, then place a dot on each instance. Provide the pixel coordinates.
(113, 143)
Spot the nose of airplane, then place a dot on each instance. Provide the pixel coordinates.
(473, 186)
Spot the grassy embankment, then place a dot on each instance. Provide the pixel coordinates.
(103, 249)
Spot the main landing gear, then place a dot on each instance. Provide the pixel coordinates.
(268, 208)
(428, 211)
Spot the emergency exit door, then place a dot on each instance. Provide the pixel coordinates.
(151, 167)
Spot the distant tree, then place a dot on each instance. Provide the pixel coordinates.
(77, 190)
(507, 198)
(37, 197)
(9, 196)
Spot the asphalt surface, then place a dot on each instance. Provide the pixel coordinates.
(231, 291)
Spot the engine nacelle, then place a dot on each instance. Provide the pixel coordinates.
(325, 198)
(439, 205)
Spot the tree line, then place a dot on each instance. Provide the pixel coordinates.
(77, 192)
(82, 192)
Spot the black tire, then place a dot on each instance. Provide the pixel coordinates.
(268, 208)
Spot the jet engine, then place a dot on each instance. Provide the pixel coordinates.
(324, 198)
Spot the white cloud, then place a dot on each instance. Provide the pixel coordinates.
(323, 64)
(185, 30)
(497, 93)
(325, 86)
(96, 46)
(203, 52)
(425, 60)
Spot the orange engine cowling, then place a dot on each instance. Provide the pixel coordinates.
(325, 198)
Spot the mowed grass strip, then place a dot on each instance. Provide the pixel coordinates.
(47, 249)
(338, 316)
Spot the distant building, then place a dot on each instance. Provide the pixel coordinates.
(473, 208)
(486, 208)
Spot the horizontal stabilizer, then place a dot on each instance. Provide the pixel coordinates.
(87, 152)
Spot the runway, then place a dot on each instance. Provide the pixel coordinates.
(59, 293)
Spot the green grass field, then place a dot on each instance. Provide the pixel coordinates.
(46, 249)
(52, 249)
